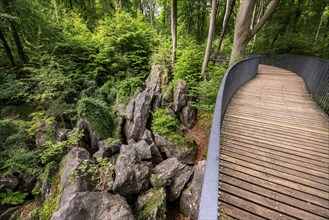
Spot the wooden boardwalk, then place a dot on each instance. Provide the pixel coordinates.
(274, 151)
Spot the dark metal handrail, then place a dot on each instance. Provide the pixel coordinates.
(234, 78)
(313, 70)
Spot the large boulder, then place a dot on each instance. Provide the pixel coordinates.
(9, 182)
(190, 199)
(151, 205)
(173, 174)
(28, 180)
(46, 179)
(178, 182)
(95, 206)
(188, 116)
(107, 149)
(137, 114)
(131, 173)
(157, 78)
(184, 154)
(92, 137)
(69, 164)
(180, 95)
(143, 150)
(61, 134)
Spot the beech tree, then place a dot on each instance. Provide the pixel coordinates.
(242, 32)
(212, 24)
(228, 11)
(173, 30)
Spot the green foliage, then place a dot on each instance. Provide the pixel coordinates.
(207, 90)
(40, 122)
(167, 126)
(54, 149)
(12, 198)
(52, 200)
(47, 176)
(188, 64)
(16, 155)
(85, 168)
(98, 114)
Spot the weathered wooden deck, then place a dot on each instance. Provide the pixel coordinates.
(275, 151)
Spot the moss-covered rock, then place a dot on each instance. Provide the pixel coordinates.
(98, 114)
(151, 205)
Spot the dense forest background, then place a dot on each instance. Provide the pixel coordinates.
(59, 56)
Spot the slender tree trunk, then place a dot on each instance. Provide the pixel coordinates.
(318, 30)
(18, 43)
(173, 30)
(228, 11)
(211, 32)
(7, 50)
(151, 14)
(242, 32)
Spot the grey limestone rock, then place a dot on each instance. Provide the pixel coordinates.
(85, 125)
(151, 205)
(9, 182)
(72, 160)
(136, 124)
(94, 206)
(143, 150)
(184, 154)
(180, 95)
(131, 174)
(190, 199)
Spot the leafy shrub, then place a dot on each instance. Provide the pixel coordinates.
(54, 149)
(167, 126)
(16, 152)
(207, 90)
(188, 64)
(52, 199)
(92, 169)
(98, 114)
(12, 198)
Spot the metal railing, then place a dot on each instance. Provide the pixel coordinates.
(234, 78)
(313, 70)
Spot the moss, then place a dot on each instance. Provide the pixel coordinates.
(98, 114)
(52, 199)
(167, 126)
(152, 205)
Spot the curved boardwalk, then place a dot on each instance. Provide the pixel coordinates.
(275, 151)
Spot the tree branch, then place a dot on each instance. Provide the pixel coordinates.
(267, 15)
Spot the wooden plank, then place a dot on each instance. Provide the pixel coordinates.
(269, 203)
(270, 158)
(247, 205)
(300, 199)
(310, 163)
(317, 189)
(299, 145)
(278, 147)
(230, 211)
(296, 207)
(278, 167)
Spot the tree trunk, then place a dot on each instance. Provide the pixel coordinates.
(228, 11)
(242, 32)
(318, 30)
(173, 30)
(151, 14)
(18, 43)
(211, 32)
(7, 50)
